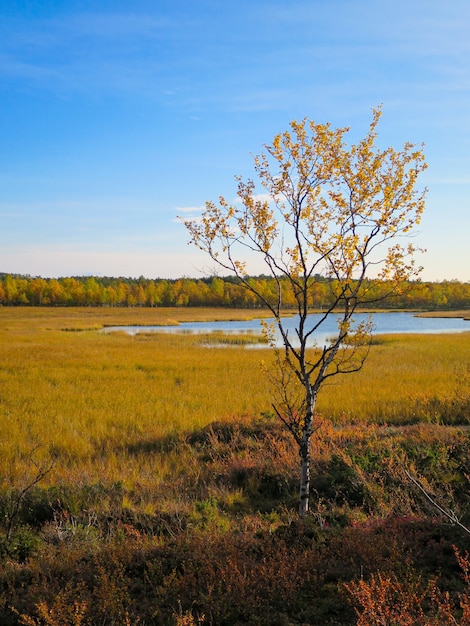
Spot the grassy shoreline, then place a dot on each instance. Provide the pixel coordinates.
(111, 316)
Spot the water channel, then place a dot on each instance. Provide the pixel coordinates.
(384, 323)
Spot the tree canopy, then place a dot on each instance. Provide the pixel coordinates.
(215, 291)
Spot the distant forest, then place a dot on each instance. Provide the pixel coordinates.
(19, 290)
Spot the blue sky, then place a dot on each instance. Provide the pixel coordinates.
(117, 116)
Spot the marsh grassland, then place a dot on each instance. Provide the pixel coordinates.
(169, 488)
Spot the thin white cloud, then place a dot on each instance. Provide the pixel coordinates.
(263, 197)
(47, 34)
(111, 26)
(450, 180)
(259, 197)
(190, 209)
(11, 67)
(123, 52)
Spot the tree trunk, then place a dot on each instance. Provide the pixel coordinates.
(304, 478)
(304, 452)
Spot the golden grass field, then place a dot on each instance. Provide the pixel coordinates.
(172, 490)
(90, 398)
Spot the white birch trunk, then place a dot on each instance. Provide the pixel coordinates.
(305, 458)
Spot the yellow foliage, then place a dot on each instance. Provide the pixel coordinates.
(323, 206)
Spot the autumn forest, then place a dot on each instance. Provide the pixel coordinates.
(214, 291)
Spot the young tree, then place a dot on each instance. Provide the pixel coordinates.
(327, 210)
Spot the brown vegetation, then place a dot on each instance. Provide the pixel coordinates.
(172, 490)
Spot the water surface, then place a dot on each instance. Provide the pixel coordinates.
(384, 323)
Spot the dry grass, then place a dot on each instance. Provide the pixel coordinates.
(153, 513)
(103, 403)
(401, 375)
(463, 314)
(81, 318)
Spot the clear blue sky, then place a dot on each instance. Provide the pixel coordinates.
(116, 116)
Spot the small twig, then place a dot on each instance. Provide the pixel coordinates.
(42, 471)
(449, 514)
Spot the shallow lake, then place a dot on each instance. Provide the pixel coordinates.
(384, 323)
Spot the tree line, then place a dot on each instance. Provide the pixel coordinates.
(24, 290)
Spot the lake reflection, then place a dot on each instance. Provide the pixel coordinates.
(384, 323)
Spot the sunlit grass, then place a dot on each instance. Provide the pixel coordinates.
(82, 318)
(101, 404)
(220, 338)
(167, 458)
(91, 397)
(402, 373)
(464, 314)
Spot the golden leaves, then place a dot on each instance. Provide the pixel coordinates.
(321, 206)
